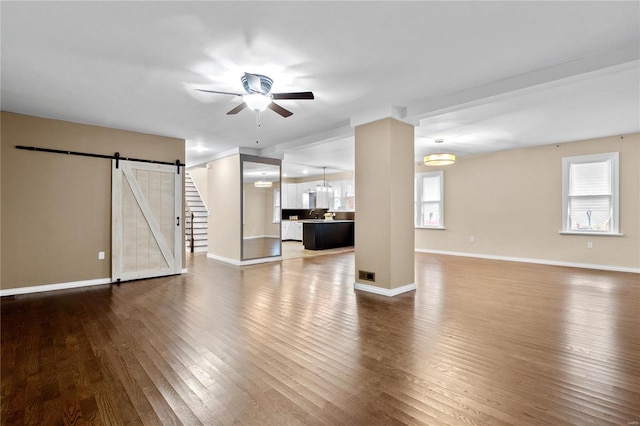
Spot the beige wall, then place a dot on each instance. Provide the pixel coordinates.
(511, 202)
(384, 177)
(199, 177)
(56, 209)
(224, 190)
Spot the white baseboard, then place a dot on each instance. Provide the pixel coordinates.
(389, 292)
(60, 286)
(255, 237)
(261, 260)
(52, 287)
(537, 261)
(244, 262)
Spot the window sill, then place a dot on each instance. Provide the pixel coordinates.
(437, 228)
(600, 234)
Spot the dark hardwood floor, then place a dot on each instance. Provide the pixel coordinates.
(479, 342)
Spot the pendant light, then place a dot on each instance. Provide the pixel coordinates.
(324, 187)
(439, 159)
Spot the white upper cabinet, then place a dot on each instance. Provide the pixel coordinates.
(291, 196)
(341, 197)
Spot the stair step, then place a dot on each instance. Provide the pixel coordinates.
(197, 232)
(197, 210)
(199, 224)
(197, 243)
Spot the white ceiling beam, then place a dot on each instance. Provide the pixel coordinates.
(564, 73)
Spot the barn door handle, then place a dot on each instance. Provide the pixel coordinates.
(178, 219)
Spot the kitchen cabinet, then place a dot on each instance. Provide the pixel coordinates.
(291, 196)
(308, 186)
(320, 235)
(291, 230)
(295, 231)
(295, 196)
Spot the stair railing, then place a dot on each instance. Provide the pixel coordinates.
(193, 241)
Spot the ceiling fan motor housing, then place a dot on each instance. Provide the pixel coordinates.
(265, 84)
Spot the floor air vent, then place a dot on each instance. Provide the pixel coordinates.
(366, 276)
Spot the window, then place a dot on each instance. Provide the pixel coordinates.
(428, 200)
(335, 201)
(590, 194)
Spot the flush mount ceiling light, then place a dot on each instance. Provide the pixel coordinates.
(439, 159)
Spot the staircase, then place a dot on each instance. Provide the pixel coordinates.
(196, 207)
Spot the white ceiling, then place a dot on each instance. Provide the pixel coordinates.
(483, 76)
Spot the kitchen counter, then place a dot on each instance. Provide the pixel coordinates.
(319, 234)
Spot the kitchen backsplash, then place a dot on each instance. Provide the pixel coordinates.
(301, 214)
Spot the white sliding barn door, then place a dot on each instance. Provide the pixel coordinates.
(146, 220)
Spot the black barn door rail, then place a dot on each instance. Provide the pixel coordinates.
(116, 156)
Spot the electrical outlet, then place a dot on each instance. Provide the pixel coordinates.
(589, 245)
(100, 255)
(472, 239)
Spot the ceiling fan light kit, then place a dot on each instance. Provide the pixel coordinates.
(258, 96)
(257, 101)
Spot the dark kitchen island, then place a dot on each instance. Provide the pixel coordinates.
(321, 234)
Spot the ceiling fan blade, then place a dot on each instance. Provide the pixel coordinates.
(237, 109)
(222, 93)
(294, 95)
(277, 108)
(255, 85)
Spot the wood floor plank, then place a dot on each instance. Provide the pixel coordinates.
(480, 342)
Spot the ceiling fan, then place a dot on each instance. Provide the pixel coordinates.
(258, 96)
